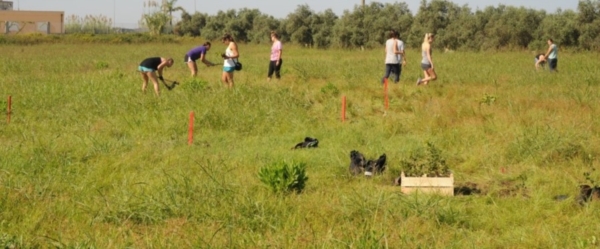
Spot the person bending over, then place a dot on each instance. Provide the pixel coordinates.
(197, 53)
(148, 68)
(540, 61)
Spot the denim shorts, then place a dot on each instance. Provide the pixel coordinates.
(425, 67)
(228, 69)
(145, 69)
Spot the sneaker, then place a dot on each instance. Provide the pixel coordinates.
(418, 81)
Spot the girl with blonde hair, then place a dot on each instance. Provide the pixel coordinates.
(427, 62)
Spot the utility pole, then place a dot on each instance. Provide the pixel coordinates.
(363, 3)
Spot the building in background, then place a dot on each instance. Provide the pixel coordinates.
(23, 22)
(5, 5)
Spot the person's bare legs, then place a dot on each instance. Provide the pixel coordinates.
(227, 79)
(145, 82)
(155, 81)
(193, 67)
(429, 76)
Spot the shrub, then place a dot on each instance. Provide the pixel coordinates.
(283, 177)
(430, 163)
(330, 89)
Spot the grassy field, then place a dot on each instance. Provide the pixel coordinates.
(88, 161)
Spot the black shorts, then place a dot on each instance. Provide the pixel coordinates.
(425, 67)
(187, 59)
(552, 64)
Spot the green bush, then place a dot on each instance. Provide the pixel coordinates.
(283, 177)
(429, 162)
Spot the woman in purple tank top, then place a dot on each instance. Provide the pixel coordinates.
(197, 53)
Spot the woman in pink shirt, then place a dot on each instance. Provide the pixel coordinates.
(275, 64)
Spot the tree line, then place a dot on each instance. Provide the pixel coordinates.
(456, 27)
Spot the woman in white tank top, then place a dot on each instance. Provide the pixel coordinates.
(230, 56)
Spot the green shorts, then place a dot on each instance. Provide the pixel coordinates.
(228, 69)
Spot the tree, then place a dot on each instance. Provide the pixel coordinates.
(369, 25)
(190, 24)
(589, 24)
(262, 27)
(432, 17)
(322, 28)
(168, 6)
(156, 19)
(561, 27)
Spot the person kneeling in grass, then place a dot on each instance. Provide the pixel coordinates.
(148, 68)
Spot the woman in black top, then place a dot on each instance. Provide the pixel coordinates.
(148, 68)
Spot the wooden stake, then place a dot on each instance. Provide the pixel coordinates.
(343, 108)
(191, 129)
(9, 108)
(385, 94)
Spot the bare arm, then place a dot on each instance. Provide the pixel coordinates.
(206, 62)
(403, 57)
(549, 50)
(279, 56)
(163, 64)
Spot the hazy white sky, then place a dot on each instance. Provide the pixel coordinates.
(129, 12)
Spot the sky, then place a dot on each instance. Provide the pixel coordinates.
(127, 13)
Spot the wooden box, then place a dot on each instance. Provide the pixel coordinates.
(439, 185)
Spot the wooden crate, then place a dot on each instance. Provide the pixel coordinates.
(438, 185)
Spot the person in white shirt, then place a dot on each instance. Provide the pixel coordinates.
(394, 54)
(552, 56)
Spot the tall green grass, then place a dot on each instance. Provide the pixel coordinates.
(90, 161)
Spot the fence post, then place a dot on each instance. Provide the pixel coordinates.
(191, 129)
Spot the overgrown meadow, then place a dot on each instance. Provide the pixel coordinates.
(88, 161)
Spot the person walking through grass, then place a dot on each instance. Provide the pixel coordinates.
(276, 51)
(197, 53)
(230, 58)
(394, 54)
(427, 62)
(148, 68)
(552, 56)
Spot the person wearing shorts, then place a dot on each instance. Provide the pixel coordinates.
(197, 53)
(149, 67)
(229, 58)
(552, 56)
(427, 62)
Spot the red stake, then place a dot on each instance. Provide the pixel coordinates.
(9, 108)
(385, 93)
(191, 129)
(343, 108)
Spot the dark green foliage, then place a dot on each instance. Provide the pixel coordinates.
(10, 241)
(456, 27)
(429, 162)
(195, 85)
(330, 89)
(283, 177)
(190, 25)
